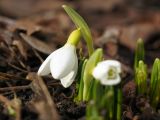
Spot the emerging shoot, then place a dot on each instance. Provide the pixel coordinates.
(139, 53)
(141, 78)
(155, 84)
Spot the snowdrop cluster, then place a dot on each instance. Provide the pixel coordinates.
(63, 65)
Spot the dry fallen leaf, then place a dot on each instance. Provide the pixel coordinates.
(104, 5)
(21, 8)
(27, 25)
(37, 44)
(129, 35)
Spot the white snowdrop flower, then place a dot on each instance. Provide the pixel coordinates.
(108, 72)
(63, 62)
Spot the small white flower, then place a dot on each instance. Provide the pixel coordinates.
(63, 63)
(108, 72)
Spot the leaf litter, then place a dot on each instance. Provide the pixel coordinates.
(27, 36)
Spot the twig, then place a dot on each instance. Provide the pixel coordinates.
(13, 66)
(15, 88)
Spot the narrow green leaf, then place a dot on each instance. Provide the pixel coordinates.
(92, 112)
(88, 78)
(80, 23)
(81, 85)
(97, 91)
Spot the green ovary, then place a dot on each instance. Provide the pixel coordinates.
(112, 73)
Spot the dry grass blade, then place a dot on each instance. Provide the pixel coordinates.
(44, 103)
(22, 49)
(10, 80)
(5, 76)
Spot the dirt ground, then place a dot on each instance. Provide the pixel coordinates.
(31, 29)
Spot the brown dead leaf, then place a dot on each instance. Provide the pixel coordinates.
(99, 4)
(129, 35)
(5, 22)
(44, 102)
(21, 8)
(26, 25)
(37, 44)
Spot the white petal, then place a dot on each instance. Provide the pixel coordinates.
(114, 63)
(102, 68)
(100, 71)
(63, 61)
(45, 67)
(68, 80)
(111, 82)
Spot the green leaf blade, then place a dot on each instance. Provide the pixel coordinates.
(88, 78)
(80, 23)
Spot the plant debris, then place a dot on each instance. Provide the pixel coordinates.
(30, 30)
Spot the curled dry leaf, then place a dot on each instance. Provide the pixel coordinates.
(37, 44)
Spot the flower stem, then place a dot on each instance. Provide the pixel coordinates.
(119, 103)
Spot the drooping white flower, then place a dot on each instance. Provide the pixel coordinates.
(108, 72)
(63, 63)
